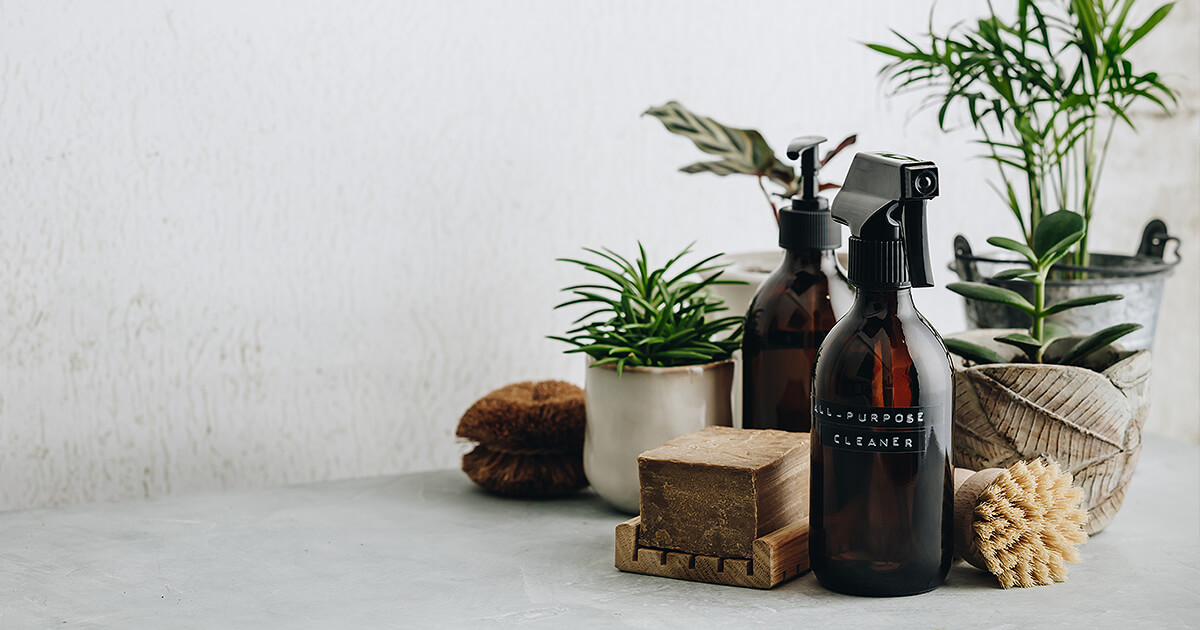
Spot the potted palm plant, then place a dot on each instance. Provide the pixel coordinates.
(1045, 90)
(741, 152)
(658, 350)
(1041, 392)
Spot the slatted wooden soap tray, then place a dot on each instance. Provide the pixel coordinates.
(722, 505)
(778, 557)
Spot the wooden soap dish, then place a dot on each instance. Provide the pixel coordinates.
(777, 557)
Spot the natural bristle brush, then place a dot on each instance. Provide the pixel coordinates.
(1021, 523)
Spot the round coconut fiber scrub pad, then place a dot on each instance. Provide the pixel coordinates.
(530, 440)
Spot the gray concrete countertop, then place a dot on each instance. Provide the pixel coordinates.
(430, 550)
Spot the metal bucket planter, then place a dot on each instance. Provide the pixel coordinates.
(1140, 278)
(1088, 419)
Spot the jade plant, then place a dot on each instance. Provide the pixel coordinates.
(741, 151)
(651, 317)
(1056, 233)
(1045, 89)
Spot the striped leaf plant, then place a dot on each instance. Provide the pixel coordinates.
(738, 151)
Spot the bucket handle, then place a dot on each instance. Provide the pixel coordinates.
(964, 261)
(1154, 241)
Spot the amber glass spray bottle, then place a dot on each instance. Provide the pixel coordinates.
(881, 486)
(794, 308)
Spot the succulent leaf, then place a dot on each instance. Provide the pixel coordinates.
(973, 352)
(1097, 341)
(989, 293)
(650, 316)
(1086, 300)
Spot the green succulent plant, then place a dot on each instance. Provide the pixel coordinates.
(646, 317)
(741, 151)
(1045, 90)
(1056, 233)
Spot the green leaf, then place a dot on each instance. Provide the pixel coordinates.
(721, 167)
(1016, 274)
(650, 319)
(1041, 90)
(697, 268)
(742, 150)
(989, 293)
(597, 349)
(617, 277)
(1015, 246)
(685, 354)
(973, 352)
(889, 51)
(605, 361)
(1052, 331)
(1147, 26)
(1055, 233)
(1014, 205)
(1086, 300)
(1097, 341)
(620, 260)
(562, 339)
(761, 155)
(1027, 344)
(590, 286)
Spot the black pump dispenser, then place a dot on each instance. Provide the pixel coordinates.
(794, 307)
(883, 201)
(807, 224)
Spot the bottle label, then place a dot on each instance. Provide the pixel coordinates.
(875, 429)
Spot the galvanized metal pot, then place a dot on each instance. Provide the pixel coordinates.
(1140, 278)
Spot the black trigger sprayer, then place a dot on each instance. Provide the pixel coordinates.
(883, 201)
(881, 485)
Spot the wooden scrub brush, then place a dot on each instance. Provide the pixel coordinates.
(1021, 523)
(529, 440)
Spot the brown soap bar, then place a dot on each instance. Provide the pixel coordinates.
(714, 491)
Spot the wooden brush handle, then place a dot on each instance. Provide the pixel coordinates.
(968, 486)
(961, 475)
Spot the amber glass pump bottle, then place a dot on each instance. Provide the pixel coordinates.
(794, 307)
(881, 509)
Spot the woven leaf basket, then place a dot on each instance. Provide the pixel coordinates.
(1089, 419)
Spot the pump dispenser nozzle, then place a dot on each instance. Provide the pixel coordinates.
(883, 201)
(804, 148)
(807, 224)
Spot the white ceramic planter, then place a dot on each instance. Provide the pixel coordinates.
(641, 409)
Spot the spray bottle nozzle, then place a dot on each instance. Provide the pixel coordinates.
(883, 201)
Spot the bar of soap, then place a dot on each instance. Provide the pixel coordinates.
(714, 491)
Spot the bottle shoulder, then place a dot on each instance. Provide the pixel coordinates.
(803, 287)
(899, 350)
(854, 333)
(791, 302)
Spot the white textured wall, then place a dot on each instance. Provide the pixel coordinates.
(249, 243)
